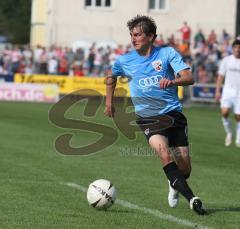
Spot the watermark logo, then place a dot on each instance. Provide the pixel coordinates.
(137, 151)
(125, 122)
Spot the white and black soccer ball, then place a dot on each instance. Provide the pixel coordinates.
(101, 194)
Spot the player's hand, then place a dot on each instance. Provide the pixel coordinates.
(109, 111)
(217, 96)
(164, 83)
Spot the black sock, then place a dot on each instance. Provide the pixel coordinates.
(187, 176)
(177, 180)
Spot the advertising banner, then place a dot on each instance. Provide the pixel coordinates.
(82, 85)
(69, 84)
(29, 92)
(64, 83)
(6, 77)
(99, 85)
(203, 93)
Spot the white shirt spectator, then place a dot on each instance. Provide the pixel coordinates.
(37, 53)
(16, 55)
(52, 66)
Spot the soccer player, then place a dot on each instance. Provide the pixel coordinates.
(230, 98)
(151, 71)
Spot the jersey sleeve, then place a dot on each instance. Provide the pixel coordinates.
(176, 61)
(117, 68)
(223, 68)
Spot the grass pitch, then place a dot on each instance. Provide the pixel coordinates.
(33, 175)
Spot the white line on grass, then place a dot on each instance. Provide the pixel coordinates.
(154, 212)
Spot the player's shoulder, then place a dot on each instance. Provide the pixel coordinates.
(228, 58)
(165, 50)
(168, 48)
(126, 57)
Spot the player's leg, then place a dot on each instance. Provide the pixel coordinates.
(176, 178)
(178, 138)
(226, 105)
(227, 125)
(183, 159)
(160, 144)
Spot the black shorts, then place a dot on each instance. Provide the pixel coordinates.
(172, 125)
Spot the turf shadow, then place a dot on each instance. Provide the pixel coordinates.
(228, 209)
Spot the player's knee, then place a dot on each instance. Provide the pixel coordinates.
(165, 158)
(237, 117)
(225, 113)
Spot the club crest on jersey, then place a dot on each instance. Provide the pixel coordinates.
(157, 65)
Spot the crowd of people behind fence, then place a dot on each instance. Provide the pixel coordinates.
(203, 55)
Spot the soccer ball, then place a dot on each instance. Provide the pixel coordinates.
(101, 194)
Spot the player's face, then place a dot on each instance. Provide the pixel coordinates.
(236, 51)
(140, 40)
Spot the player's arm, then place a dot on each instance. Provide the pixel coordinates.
(110, 88)
(184, 78)
(219, 82)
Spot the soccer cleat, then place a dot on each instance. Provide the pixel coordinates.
(238, 141)
(228, 139)
(196, 205)
(173, 196)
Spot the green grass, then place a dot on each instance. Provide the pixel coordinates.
(32, 172)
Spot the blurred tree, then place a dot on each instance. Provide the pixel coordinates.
(15, 20)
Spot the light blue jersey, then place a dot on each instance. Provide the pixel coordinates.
(144, 74)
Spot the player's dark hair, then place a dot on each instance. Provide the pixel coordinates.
(147, 24)
(236, 42)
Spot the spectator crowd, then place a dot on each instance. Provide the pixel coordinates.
(203, 53)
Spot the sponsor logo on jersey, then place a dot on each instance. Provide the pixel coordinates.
(148, 81)
(157, 65)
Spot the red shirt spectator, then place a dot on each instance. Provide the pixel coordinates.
(63, 66)
(78, 71)
(186, 32)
